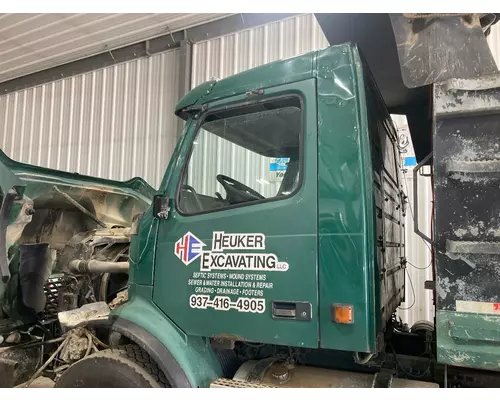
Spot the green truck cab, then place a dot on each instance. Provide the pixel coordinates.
(279, 220)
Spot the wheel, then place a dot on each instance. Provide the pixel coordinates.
(125, 367)
(422, 327)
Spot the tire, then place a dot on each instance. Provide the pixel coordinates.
(124, 367)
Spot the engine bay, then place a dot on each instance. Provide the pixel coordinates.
(67, 244)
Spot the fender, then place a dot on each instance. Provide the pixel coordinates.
(158, 352)
(186, 361)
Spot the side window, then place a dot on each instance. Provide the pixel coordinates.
(243, 155)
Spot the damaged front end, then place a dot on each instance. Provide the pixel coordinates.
(64, 244)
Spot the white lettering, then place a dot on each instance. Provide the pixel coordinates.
(237, 241)
(268, 262)
(224, 303)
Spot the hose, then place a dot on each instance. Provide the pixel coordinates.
(31, 344)
(80, 207)
(93, 342)
(50, 359)
(95, 266)
(89, 346)
(98, 342)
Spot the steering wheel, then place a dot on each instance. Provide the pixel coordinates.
(236, 191)
(195, 195)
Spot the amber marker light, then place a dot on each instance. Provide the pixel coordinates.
(343, 314)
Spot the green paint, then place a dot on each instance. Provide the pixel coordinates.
(468, 340)
(176, 159)
(142, 250)
(193, 353)
(27, 172)
(8, 181)
(346, 271)
(326, 231)
(7, 177)
(352, 130)
(194, 96)
(266, 76)
(288, 217)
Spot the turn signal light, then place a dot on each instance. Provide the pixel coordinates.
(343, 314)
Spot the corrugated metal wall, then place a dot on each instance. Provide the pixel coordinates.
(114, 123)
(235, 53)
(418, 303)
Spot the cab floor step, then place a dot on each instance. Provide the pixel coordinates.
(466, 247)
(224, 383)
(233, 384)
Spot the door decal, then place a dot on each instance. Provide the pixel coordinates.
(188, 248)
(221, 284)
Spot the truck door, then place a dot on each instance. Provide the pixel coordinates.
(236, 258)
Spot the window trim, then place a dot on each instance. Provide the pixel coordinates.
(244, 104)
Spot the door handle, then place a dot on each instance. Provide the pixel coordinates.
(292, 310)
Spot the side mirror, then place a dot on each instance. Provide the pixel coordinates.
(161, 206)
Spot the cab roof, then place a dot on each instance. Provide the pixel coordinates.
(273, 74)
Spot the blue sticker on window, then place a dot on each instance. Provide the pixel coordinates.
(278, 164)
(410, 161)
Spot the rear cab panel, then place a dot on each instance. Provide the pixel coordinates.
(359, 204)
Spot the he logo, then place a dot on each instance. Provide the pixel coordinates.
(188, 248)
